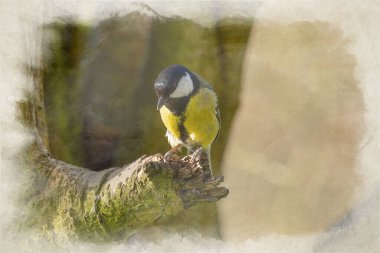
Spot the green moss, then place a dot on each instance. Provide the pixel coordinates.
(122, 202)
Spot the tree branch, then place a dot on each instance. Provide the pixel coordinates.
(116, 202)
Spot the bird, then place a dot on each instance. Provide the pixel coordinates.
(189, 109)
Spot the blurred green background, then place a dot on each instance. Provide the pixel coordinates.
(98, 83)
(99, 96)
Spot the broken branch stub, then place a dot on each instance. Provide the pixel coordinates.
(194, 182)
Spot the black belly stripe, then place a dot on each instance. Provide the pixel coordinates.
(183, 134)
(177, 105)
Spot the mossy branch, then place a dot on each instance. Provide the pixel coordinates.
(116, 202)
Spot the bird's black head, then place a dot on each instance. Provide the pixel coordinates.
(174, 83)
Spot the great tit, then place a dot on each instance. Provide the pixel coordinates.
(189, 109)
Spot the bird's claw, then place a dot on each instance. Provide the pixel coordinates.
(171, 154)
(196, 155)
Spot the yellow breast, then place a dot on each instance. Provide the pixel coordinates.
(171, 122)
(201, 122)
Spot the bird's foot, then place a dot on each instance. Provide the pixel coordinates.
(197, 155)
(172, 153)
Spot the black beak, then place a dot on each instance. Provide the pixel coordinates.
(161, 102)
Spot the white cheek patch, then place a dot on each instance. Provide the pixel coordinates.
(184, 87)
